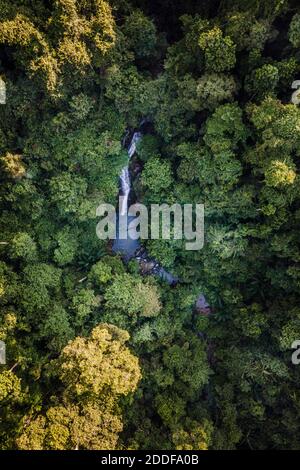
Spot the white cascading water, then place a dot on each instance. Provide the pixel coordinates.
(128, 247)
(125, 176)
(132, 147)
(125, 190)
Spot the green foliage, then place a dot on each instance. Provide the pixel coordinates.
(219, 51)
(129, 295)
(81, 105)
(101, 273)
(225, 128)
(67, 191)
(68, 427)
(76, 39)
(212, 89)
(67, 247)
(140, 32)
(250, 320)
(279, 173)
(99, 355)
(157, 175)
(148, 147)
(83, 303)
(23, 247)
(56, 328)
(263, 81)
(90, 366)
(163, 251)
(246, 31)
(10, 386)
(41, 281)
(294, 31)
(188, 362)
(193, 437)
(13, 165)
(71, 428)
(94, 372)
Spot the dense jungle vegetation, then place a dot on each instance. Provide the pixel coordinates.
(98, 356)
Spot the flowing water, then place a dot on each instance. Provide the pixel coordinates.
(125, 181)
(130, 248)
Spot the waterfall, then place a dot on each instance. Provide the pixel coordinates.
(125, 176)
(125, 189)
(128, 247)
(132, 147)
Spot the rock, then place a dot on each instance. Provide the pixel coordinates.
(146, 266)
(202, 306)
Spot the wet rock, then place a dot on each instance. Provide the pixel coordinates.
(202, 306)
(147, 266)
(136, 168)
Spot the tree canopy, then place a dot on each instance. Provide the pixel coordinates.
(100, 355)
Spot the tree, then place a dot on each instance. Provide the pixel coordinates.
(90, 366)
(95, 372)
(263, 81)
(294, 31)
(209, 86)
(214, 88)
(225, 128)
(81, 105)
(157, 175)
(140, 32)
(68, 427)
(23, 247)
(56, 328)
(219, 50)
(188, 362)
(83, 303)
(148, 147)
(246, 31)
(129, 295)
(75, 37)
(67, 247)
(13, 165)
(41, 281)
(193, 437)
(101, 273)
(10, 386)
(251, 320)
(67, 191)
(163, 251)
(280, 173)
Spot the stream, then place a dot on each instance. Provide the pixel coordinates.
(133, 249)
(130, 248)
